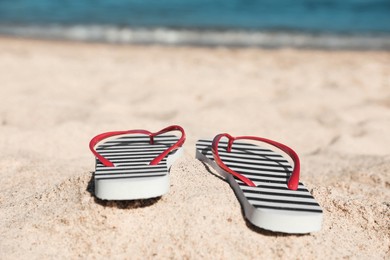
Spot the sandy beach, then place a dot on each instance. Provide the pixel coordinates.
(332, 107)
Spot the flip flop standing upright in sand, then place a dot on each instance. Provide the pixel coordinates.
(134, 164)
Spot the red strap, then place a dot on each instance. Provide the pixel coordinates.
(294, 178)
(94, 141)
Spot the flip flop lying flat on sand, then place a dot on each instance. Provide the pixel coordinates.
(134, 164)
(265, 183)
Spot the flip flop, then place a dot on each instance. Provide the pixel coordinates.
(134, 164)
(264, 182)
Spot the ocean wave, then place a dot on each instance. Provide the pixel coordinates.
(171, 36)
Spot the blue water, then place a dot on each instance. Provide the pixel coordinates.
(342, 17)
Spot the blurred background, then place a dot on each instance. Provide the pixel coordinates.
(267, 23)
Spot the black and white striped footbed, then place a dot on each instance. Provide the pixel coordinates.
(132, 177)
(270, 204)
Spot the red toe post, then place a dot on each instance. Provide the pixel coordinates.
(177, 145)
(292, 182)
(214, 149)
(94, 141)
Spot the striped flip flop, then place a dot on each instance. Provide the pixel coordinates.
(134, 164)
(264, 181)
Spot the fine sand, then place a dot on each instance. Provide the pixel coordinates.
(332, 107)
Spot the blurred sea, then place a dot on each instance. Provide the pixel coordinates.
(267, 23)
